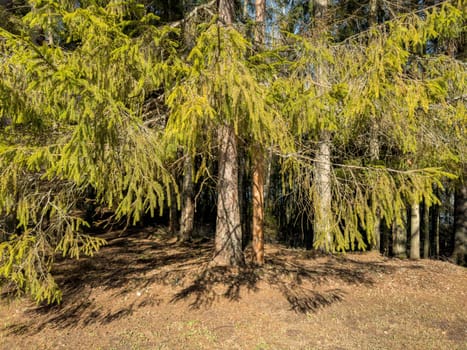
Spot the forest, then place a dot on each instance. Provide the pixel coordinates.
(233, 174)
(323, 126)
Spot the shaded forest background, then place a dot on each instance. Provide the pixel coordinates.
(327, 125)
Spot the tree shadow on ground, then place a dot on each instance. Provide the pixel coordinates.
(140, 259)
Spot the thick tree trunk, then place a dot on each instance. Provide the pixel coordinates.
(459, 254)
(415, 231)
(399, 241)
(322, 225)
(228, 242)
(226, 11)
(260, 12)
(258, 205)
(426, 231)
(188, 206)
(322, 166)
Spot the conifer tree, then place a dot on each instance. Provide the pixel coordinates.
(72, 108)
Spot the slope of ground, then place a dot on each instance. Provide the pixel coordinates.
(144, 291)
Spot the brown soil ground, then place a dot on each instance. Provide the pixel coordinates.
(144, 291)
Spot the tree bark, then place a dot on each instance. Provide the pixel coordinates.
(374, 142)
(228, 241)
(322, 166)
(399, 241)
(226, 11)
(374, 155)
(173, 214)
(459, 254)
(258, 205)
(188, 206)
(258, 157)
(426, 231)
(415, 231)
(435, 226)
(373, 13)
(322, 224)
(260, 16)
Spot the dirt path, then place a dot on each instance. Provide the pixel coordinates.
(146, 292)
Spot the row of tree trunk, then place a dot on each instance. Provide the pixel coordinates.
(229, 235)
(421, 235)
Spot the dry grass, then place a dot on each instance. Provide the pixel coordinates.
(146, 292)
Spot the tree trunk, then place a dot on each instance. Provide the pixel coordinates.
(260, 12)
(322, 227)
(459, 254)
(188, 207)
(226, 11)
(322, 166)
(258, 205)
(415, 231)
(435, 227)
(258, 158)
(374, 155)
(373, 15)
(374, 142)
(399, 241)
(244, 198)
(426, 231)
(228, 242)
(173, 214)
(386, 237)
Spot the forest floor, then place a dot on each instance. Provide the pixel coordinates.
(145, 291)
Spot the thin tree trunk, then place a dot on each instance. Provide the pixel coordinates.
(258, 206)
(322, 226)
(373, 18)
(426, 231)
(435, 226)
(258, 158)
(228, 242)
(374, 142)
(386, 236)
(50, 36)
(173, 213)
(188, 207)
(459, 254)
(245, 9)
(415, 231)
(399, 241)
(374, 155)
(267, 180)
(243, 197)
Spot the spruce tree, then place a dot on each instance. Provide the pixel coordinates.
(72, 120)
